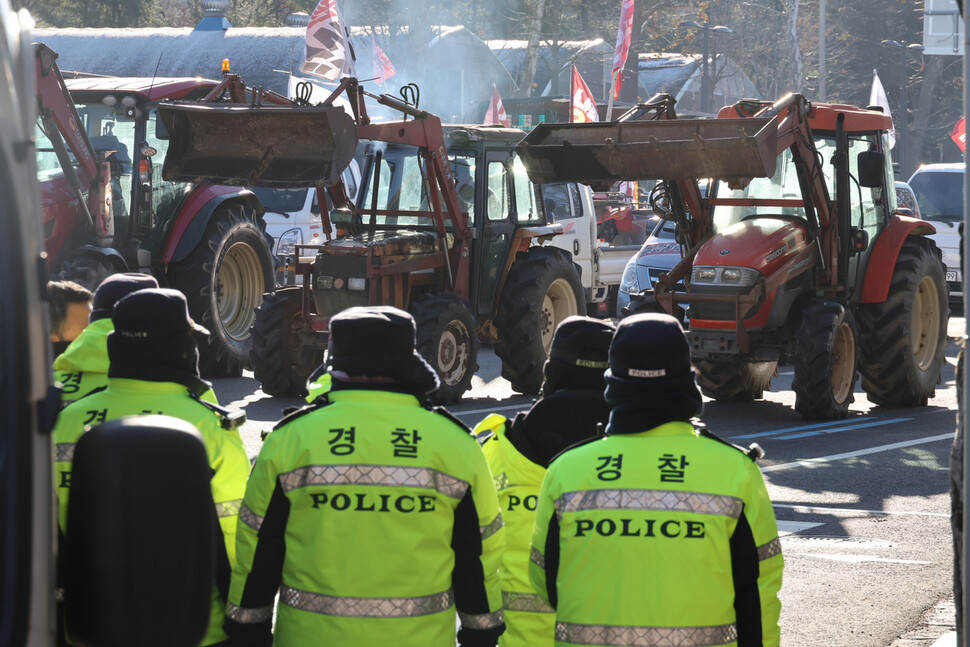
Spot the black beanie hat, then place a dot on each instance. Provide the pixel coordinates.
(650, 381)
(379, 341)
(650, 347)
(116, 287)
(579, 355)
(153, 327)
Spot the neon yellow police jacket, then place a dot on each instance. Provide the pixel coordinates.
(83, 366)
(665, 536)
(375, 519)
(529, 620)
(227, 454)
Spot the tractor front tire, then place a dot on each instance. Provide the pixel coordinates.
(734, 380)
(280, 363)
(904, 337)
(541, 290)
(448, 339)
(224, 279)
(826, 356)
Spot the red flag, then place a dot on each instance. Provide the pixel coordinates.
(959, 134)
(383, 69)
(582, 107)
(623, 35)
(329, 53)
(496, 114)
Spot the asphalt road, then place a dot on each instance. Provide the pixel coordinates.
(862, 503)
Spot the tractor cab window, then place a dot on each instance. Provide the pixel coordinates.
(868, 205)
(48, 166)
(526, 212)
(164, 193)
(112, 132)
(783, 184)
(402, 189)
(463, 169)
(497, 192)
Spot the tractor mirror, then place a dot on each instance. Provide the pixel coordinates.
(161, 132)
(872, 169)
(141, 535)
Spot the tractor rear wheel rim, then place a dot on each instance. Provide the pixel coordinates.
(843, 362)
(926, 323)
(558, 303)
(239, 287)
(453, 353)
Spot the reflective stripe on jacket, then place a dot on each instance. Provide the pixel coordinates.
(225, 449)
(530, 622)
(659, 537)
(376, 519)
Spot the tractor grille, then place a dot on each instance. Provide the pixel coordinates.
(716, 311)
(331, 279)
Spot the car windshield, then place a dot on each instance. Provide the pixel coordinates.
(940, 195)
(281, 200)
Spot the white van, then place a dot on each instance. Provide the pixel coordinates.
(293, 218)
(939, 192)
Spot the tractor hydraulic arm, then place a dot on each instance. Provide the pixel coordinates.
(63, 127)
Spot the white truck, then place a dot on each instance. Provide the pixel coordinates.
(601, 252)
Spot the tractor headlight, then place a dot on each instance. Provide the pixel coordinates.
(630, 283)
(357, 284)
(735, 276)
(288, 242)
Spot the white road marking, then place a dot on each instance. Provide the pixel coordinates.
(812, 462)
(810, 509)
(789, 527)
(857, 559)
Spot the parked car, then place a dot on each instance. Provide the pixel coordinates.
(906, 198)
(939, 191)
(659, 253)
(293, 218)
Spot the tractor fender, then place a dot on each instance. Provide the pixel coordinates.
(193, 217)
(882, 260)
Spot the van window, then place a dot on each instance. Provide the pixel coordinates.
(556, 200)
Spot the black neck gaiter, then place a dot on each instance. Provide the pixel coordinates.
(640, 404)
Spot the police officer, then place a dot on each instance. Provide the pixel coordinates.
(373, 516)
(83, 366)
(658, 533)
(571, 409)
(154, 369)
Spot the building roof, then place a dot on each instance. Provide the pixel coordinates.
(454, 71)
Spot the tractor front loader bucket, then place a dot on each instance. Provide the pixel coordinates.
(257, 146)
(600, 154)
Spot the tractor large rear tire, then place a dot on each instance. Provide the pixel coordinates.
(542, 289)
(904, 337)
(826, 356)
(224, 279)
(280, 363)
(734, 380)
(448, 339)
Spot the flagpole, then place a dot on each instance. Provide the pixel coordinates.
(609, 106)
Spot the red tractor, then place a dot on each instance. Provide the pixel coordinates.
(798, 255)
(107, 209)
